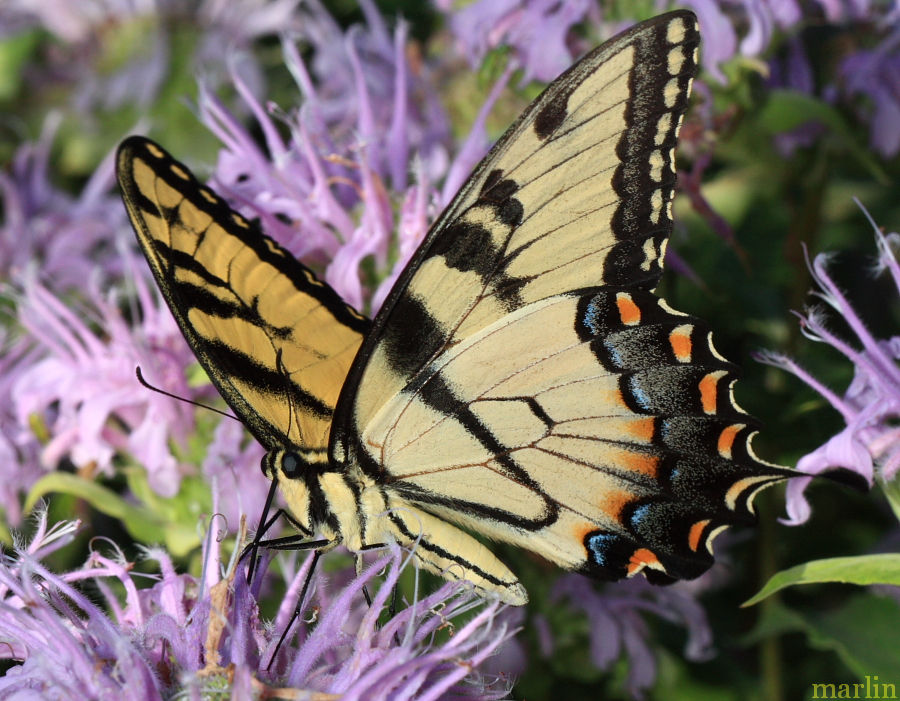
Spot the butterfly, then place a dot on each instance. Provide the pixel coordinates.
(521, 382)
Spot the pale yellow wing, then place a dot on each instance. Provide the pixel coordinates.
(596, 429)
(576, 194)
(523, 381)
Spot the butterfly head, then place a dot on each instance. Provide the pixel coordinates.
(284, 465)
(296, 477)
(320, 498)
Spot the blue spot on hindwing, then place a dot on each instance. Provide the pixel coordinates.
(613, 355)
(640, 514)
(608, 554)
(593, 317)
(639, 395)
(599, 544)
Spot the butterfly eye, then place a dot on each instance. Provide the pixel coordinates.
(291, 464)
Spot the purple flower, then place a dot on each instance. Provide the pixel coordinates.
(538, 31)
(875, 75)
(77, 380)
(870, 444)
(19, 451)
(66, 645)
(231, 467)
(794, 72)
(184, 634)
(363, 86)
(70, 239)
(348, 653)
(107, 74)
(762, 19)
(329, 193)
(617, 627)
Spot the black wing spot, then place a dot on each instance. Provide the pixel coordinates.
(511, 212)
(509, 291)
(552, 115)
(466, 247)
(413, 337)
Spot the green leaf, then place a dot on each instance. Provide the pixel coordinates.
(141, 523)
(775, 619)
(492, 67)
(863, 570)
(787, 109)
(180, 514)
(5, 535)
(16, 50)
(891, 491)
(149, 519)
(865, 634)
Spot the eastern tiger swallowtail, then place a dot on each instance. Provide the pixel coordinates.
(521, 381)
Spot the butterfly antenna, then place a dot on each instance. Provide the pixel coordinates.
(154, 388)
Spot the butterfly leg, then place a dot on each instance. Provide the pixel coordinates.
(319, 546)
(265, 523)
(392, 610)
(359, 566)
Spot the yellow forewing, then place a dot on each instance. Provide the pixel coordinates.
(274, 340)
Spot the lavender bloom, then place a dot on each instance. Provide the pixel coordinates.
(349, 654)
(875, 75)
(870, 444)
(19, 451)
(365, 89)
(795, 72)
(325, 194)
(184, 635)
(540, 34)
(67, 646)
(537, 30)
(70, 376)
(79, 380)
(230, 460)
(84, 27)
(762, 18)
(70, 239)
(617, 627)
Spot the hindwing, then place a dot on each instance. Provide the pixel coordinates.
(522, 380)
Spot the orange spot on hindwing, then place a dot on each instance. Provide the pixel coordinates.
(726, 440)
(641, 558)
(709, 391)
(643, 429)
(613, 503)
(680, 340)
(629, 312)
(696, 533)
(641, 462)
